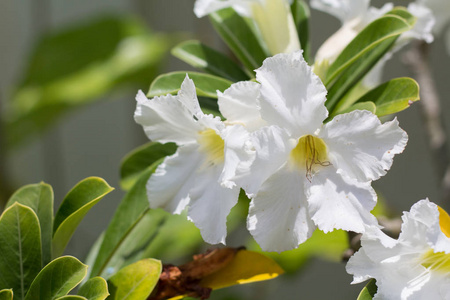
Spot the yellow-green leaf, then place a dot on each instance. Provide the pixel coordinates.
(94, 289)
(6, 294)
(369, 291)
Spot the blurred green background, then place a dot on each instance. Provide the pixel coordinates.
(91, 140)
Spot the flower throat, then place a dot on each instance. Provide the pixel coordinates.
(309, 151)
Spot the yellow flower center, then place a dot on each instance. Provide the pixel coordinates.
(309, 152)
(213, 145)
(438, 262)
(444, 221)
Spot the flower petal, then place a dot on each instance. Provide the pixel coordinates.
(292, 96)
(169, 186)
(336, 202)
(239, 104)
(344, 10)
(205, 7)
(278, 216)
(165, 119)
(271, 146)
(210, 204)
(360, 146)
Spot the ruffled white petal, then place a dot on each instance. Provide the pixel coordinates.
(441, 11)
(278, 216)
(336, 202)
(239, 154)
(205, 7)
(360, 146)
(165, 119)
(272, 147)
(239, 104)
(210, 204)
(292, 96)
(169, 186)
(344, 10)
(423, 27)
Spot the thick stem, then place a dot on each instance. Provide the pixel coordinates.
(416, 59)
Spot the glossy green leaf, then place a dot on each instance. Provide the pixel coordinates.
(369, 291)
(240, 37)
(78, 65)
(136, 281)
(20, 248)
(39, 197)
(132, 208)
(74, 207)
(205, 84)
(367, 105)
(393, 96)
(71, 297)
(209, 60)
(6, 294)
(57, 279)
(368, 47)
(403, 13)
(301, 14)
(138, 160)
(94, 289)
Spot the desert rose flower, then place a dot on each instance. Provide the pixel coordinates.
(195, 177)
(416, 265)
(305, 173)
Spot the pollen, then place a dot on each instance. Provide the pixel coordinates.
(212, 145)
(309, 154)
(437, 262)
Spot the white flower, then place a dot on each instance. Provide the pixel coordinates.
(272, 17)
(305, 173)
(441, 11)
(417, 265)
(196, 175)
(355, 15)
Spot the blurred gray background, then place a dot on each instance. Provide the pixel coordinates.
(91, 141)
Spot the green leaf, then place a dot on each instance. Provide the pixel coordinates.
(6, 294)
(74, 207)
(301, 14)
(403, 13)
(39, 197)
(138, 160)
(239, 36)
(369, 291)
(367, 105)
(71, 297)
(20, 248)
(132, 208)
(79, 64)
(393, 96)
(136, 281)
(366, 49)
(209, 60)
(57, 279)
(94, 289)
(205, 84)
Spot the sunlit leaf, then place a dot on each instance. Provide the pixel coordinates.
(205, 84)
(77, 65)
(74, 207)
(367, 105)
(209, 60)
(39, 197)
(393, 96)
(57, 279)
(246, 267)
(239, 36)
(20, 248)
(369, 291)
(138, 160)
(136, 281)
(71, 297)
(6, 294)
(94, 289)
